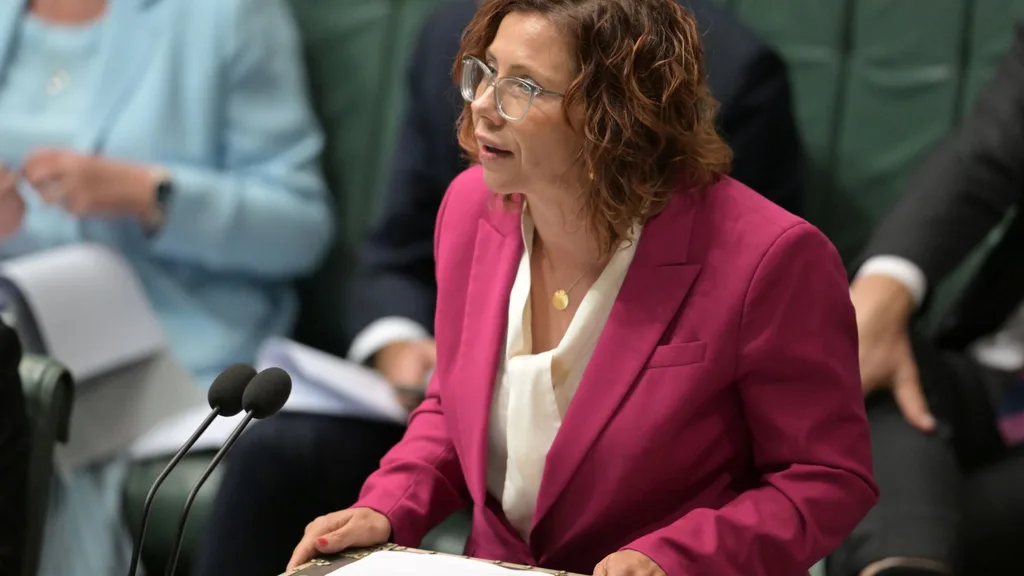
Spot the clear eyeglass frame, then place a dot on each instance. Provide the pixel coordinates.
(513, 96)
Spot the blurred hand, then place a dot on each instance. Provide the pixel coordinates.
(352, 528)
(92, 186)
(628, 563)
(884, 306)
(406, 365)
(12, 207)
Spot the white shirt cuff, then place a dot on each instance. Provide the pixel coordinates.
(900, 269)
(381, 333)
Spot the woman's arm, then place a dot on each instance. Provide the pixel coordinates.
(799, 381)
(420, 481)
(266, 212)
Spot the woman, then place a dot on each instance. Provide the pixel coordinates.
(643, 367)
(179, 133)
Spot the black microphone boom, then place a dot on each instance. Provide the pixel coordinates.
(225, 397)
(266, 394)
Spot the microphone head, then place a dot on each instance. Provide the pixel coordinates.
(267, 393)
(10, 349)
(227, 389)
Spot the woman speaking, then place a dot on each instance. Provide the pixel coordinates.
(643, 367)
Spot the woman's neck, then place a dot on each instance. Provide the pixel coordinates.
(563, 235)
(67, 11)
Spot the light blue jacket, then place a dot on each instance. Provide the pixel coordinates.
(215, 91)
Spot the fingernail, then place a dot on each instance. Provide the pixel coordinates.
(321, 541)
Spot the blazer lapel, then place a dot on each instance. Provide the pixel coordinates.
(128, 41)
(498, 249)
(10, 14)
(655, 285)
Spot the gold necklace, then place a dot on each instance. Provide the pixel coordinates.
(560, 299)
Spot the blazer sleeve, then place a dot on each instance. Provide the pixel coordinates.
(968, 184)
(759, 126)
(395, 277)
(799, 383)
(420, 481)
(266, 211)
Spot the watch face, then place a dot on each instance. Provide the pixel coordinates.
(163, 191)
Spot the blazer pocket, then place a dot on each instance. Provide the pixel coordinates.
(677, 354)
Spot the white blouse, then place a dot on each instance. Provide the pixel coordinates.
(533, 391)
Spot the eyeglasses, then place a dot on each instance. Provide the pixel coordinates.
(513, 96)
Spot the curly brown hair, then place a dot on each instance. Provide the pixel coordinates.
(649, 118)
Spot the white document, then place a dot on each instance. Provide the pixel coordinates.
(88, 306)
(321, 384)
(331, 385)
(114, 409)
(94, 317)
(395, 563)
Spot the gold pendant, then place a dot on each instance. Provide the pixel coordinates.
(560, 300)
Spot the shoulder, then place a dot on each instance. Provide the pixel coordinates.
(468, 200)
(732, 50)
(230, 22)
(740, 220)
(448, 20)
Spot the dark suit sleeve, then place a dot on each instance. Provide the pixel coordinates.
(758, 124)
(14, 451)
(968, 184)
(395, 276)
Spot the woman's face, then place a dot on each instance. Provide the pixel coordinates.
(538, 152)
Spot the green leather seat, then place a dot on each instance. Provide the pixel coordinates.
(49, 395)
(876, 84)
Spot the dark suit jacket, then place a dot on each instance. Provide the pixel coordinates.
(14, 449)
(963, 191)
(396, 275)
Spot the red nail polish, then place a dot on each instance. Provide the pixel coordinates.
(321, 541)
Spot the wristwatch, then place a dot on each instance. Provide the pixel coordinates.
(164, 190)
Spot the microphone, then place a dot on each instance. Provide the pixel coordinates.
(226, 399)
(266, 394)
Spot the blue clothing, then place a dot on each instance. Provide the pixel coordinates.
(50, 76)
(214, 92)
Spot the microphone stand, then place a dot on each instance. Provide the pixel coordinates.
(137, 550)
(172, 564)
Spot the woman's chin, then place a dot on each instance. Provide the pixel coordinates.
(499, 182)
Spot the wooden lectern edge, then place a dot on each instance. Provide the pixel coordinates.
(324, 566)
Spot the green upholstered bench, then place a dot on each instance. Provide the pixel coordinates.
(49, 394)
(876, 82)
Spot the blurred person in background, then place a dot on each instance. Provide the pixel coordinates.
(303, 465)
(947, 410)
(177, 132)
(14, 451)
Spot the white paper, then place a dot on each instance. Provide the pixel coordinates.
(113, 410)
(88, 306)
(330, 384)
(394, 563)
(321, 384)
(94, 317)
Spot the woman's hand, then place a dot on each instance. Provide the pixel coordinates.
(352, 528)
(628, 563)
(12, 207)
(92, 186)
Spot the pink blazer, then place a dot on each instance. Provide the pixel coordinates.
(719, 428)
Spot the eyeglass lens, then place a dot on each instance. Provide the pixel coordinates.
(513, 95)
